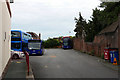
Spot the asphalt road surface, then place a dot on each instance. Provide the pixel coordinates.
(60, 63)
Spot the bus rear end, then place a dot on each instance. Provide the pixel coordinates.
(35, 47)
(67, 43)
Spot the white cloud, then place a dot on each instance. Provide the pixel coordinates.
(50, 16)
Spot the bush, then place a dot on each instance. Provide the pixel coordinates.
(102, 56)
(89, 53)
(92, 52)
(51, 43)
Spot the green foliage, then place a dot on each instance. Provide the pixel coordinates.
(92, 52)
(99, 20)
(80, 26)
(102, 56)
(51, 43)
(89, 53)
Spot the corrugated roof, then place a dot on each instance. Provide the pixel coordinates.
(110, 28)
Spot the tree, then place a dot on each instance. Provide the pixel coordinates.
(99, 20)
(51, 43)
(80, 23)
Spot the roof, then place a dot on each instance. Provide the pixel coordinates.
(17, 30)
(33, 34)
(20, 31)
(110, 28)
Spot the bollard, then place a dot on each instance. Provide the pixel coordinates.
(115, 61)
(27, 61)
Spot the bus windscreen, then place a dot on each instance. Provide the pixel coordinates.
(34, 45)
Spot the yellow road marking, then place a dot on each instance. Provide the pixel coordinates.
(18, 62)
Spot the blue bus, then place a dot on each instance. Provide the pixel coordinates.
(35, 47)
(19, 40)
(67, 43)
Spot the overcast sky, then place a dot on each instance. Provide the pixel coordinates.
(51, 18)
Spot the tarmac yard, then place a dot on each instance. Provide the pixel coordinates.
(60, 63)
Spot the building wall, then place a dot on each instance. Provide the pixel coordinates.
(119, 41)
(77, 43)
(5, 31)
(100, 42)
(0, 37)
(115, 39)
(119, 38)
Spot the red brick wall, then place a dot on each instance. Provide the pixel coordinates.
(100, 42)
(76, 44)
(89, 47)
(79, 44)
(98, 45)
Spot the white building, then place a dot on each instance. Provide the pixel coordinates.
(5, 31)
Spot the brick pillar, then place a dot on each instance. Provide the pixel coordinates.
(119, 36)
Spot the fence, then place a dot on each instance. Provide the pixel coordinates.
(81, 45)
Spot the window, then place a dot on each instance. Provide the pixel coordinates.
(15, 34)
(34, 45)
(15, 45)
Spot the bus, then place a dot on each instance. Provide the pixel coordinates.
(35, 47)
(67, 43)
(19, 40)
